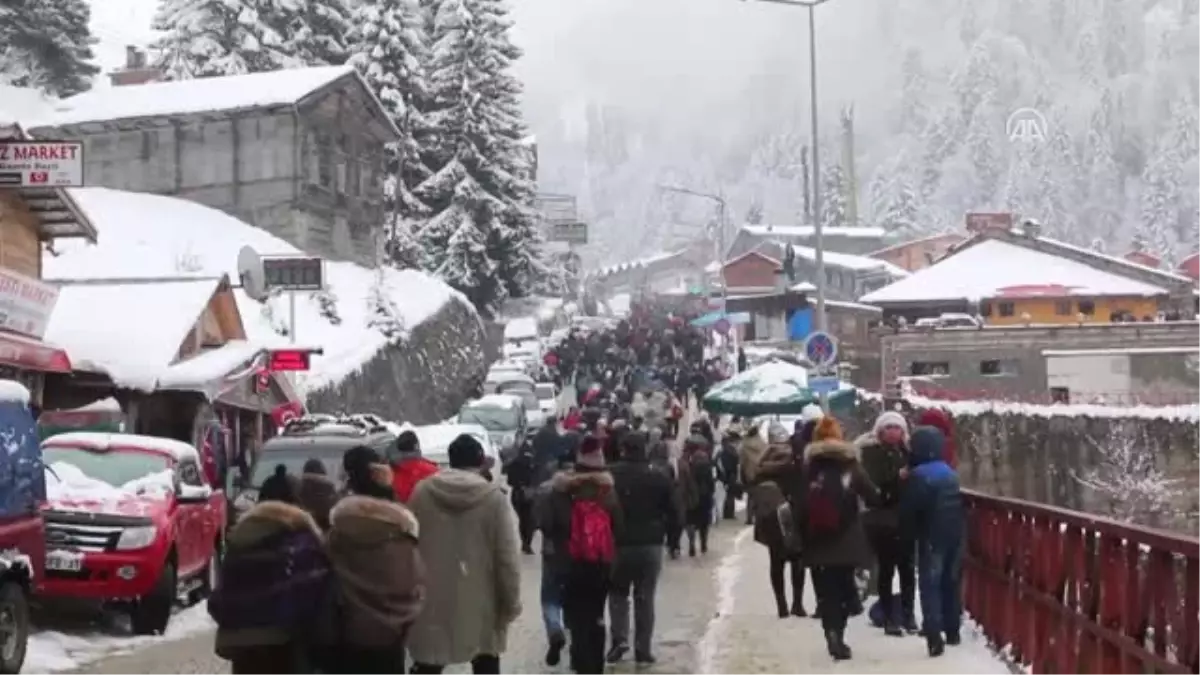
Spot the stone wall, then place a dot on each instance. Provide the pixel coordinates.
(423, 379)
(1098, 464)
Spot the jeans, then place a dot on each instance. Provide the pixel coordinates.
(637, 569)
(484, 664)
(939, 569)
(584, 596)
(525, 524)
(894, 557)
(779, 559)
(552, 596)
(837, 594)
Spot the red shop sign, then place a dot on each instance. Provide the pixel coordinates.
(29, 354)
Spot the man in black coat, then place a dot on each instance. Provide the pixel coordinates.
(647, 500)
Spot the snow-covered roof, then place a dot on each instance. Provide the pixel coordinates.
(1118, 351)
(98, 440)
(858, 306)
(858, 263)
(636, 264)
(202, 370)
(987, 268)
(186, 97)
(799, 231)
(130, 330)
(21, 104)
(919, 240)
(149, 236)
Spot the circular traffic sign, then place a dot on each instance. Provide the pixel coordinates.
(821, 349)
(721, 326)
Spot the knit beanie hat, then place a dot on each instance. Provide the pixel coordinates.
(891, 418)
(827, 429)
(591, 453)
(466, 452)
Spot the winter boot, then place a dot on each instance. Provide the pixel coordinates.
(798, 607)
(781, 606)
(953, 638)
(910, 621)
(554, 652)
(617, 653)
(935, 644)
(836, 645)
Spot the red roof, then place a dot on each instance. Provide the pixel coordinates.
(1143, 258)
(1191, 266)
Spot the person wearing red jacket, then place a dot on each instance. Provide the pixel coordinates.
(940, 420)
(408, 466)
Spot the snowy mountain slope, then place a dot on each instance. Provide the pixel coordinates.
(143, 235)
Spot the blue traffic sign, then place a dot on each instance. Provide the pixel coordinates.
(821, 349)
(823, 385)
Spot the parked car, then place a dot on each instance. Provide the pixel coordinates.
(503, 415)
(496, 380)
(547, 396)
(22, 537)
(130, 521)
(323, 437)
(436, 438)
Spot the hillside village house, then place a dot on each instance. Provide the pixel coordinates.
(31, 218)
(298, 153)
(854, 240)
(919, 253)
(1012, 277)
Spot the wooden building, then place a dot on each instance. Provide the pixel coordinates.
(299, 153)
(920, 253)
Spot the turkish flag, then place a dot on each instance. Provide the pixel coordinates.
(282, 414)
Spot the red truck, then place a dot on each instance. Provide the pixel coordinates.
(130, 521)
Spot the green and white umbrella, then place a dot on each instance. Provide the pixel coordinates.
(772, 388)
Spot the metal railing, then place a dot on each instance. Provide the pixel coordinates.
(1066, 592)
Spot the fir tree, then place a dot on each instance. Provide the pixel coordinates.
(47, 45)
(207, 38)
(1160, 201)
(481, 170)
(833, 195)
(387, 47)
(319, 31)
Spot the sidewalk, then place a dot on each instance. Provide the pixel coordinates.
(751, 638)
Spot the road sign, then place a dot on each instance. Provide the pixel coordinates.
(571, 233)
(824, 384)
(821, 349)
(293, 274)
(41, 163)
(722, 326)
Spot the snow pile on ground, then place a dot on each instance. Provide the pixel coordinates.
(148, 236)
(52, 651)
(1186, 413)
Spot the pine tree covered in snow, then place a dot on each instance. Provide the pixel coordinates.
(47, 45)
(388, 48)
(1160, 201)
(833, 195)
(319, 30)
(206, 38)
(481, 236)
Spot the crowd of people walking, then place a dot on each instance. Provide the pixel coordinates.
(409, 567)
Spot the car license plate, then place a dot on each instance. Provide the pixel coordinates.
(64, 561)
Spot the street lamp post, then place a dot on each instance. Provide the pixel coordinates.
(818, 228)
(722, 210)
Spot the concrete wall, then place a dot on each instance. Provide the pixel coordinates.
(1052, 460)
(423, 379)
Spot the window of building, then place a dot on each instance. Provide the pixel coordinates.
(1000, 367)
(1060, 395)
(1087, 307)
(930, 368)
(985, 308)
(1062, 308)
(1006, 308)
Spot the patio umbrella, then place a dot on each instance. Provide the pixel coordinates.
(772, 388)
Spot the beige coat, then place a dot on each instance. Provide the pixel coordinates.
(751, 453)
(469, 545)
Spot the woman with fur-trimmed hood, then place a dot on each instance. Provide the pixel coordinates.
(833, 540)
(778, 472)
(276, 581)
(373, 547)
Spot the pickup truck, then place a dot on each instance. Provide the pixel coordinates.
(130, 521)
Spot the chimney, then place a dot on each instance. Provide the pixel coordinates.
(1031, 228)
(978, 223)
(135, 71)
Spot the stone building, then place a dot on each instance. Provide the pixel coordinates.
(298, 152)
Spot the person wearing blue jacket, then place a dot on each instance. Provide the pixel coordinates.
(931, 511)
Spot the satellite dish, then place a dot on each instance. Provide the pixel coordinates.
(250, 271)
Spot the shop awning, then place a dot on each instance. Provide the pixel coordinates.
(28, 353)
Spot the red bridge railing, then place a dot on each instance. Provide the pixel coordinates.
(1071, 593)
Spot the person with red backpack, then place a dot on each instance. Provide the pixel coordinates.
(833, 541)
(584, 521)
(408, 466)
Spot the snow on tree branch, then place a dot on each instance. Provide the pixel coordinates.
(1128, 480)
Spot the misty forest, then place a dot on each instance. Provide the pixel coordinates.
(914, 100)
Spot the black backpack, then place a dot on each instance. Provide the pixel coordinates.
(830, 505)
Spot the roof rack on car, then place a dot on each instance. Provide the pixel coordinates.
(342, 423)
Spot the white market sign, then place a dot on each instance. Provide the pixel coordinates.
(25, 304)
(41, 164)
